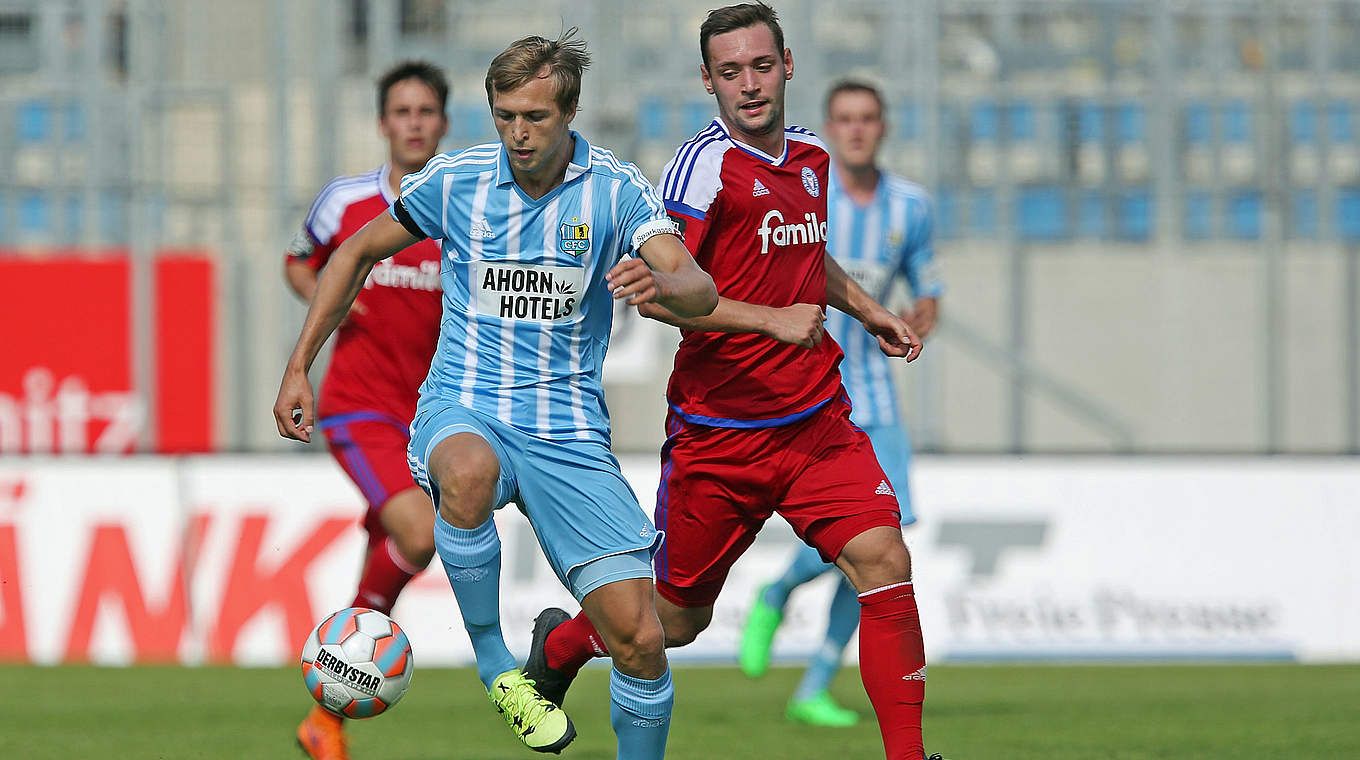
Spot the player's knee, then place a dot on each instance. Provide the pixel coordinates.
(876, 558)
(638, 645)
(682, 630)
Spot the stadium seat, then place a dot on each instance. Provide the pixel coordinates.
(652, 118)
(1199, 215)
(34, 121)
(1303, 214)
(695, 115)
(1026, 153)
(1244, 214)
(947, 213)
(1135, 215)
(1343, 157)
(982, 213)
(1239, 150)
(1090, 143)
(35, 213)
(1348, 214)
(1091, 216)
(73, 128)
(1305, 164)
(1041, 213)
(1132, 157)
(1199, 135)
(983, 131)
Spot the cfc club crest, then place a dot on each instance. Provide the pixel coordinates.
(575, 237)
(810, 182)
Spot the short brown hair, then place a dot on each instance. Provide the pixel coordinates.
(734, 17)
(565, 58)
(424, 71)
(853, 85)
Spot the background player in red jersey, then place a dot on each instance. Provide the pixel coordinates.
(759, 422)
(382, 354)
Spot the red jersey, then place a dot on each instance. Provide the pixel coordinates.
(757, 224)
(382, 355)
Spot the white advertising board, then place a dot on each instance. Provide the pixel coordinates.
(233, 559)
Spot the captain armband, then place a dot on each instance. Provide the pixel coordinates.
(402, 215)
(652, 229)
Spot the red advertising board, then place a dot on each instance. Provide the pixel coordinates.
(66, 354)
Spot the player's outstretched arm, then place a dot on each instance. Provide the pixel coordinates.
(343, 276)
(895, 336)
(667, 275)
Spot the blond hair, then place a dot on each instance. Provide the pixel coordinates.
(565, 59)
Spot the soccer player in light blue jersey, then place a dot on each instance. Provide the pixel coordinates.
(538, 234)
(879, 229)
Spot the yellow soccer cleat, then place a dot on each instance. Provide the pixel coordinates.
(540, 724)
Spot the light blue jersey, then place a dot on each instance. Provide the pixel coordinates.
(526, 310)
(874, 244)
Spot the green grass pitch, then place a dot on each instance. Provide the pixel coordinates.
(972, 713)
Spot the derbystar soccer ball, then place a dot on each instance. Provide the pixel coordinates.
(357, 663)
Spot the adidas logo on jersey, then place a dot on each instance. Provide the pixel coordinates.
(480, 228)
(884, 489)
(759, 190)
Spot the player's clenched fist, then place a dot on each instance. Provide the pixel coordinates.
(294, 408)
(800, 324)
(895, 336)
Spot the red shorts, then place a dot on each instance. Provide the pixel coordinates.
(371, 449)
(719, 485)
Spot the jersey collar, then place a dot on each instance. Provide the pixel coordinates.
(757, 152)
(579, 164)
(384, 174)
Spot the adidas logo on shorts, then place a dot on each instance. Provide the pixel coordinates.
(884, 489)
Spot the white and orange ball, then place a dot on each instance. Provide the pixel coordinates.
(357, 663)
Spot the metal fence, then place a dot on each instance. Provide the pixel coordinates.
(1148, 212)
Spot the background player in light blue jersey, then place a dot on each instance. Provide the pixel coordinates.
(879, 228)
(537, 233)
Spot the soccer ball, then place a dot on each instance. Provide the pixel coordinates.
(357, 663)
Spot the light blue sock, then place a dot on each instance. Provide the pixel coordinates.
(807, 564)
(842, 620)
(472, 561)
(640, 711)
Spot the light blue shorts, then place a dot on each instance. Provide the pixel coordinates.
(892, 446)
(573, 492)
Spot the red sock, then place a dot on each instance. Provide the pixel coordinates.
(573, 644)
(385, 575)
(892, 664)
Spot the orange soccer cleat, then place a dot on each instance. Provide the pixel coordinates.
(322, 736)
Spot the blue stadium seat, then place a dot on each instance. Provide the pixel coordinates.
(1199, 124)
(34, 120)
(1135, 215)
(1041, 213)
(1022, 121)
(1304, 214)
(1131, 123)
(947, 213)
(469, 122)
(113, 216)
(1199, 215)
(1091, 216)
(908, 122)
(1341, 122)
(652, 118)
(982, 213)
(73, 122)
(1237, 122)
(982, 121)
(1090, 122)
(695, 115)
(1244, 215)
(35, 213)
(1303, 123)
(1348, 214)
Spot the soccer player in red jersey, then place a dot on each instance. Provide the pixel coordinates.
(382, 354)
(759, 422)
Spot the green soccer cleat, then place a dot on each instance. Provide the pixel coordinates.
(540, 724)
(757, 636)
(821, 710)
